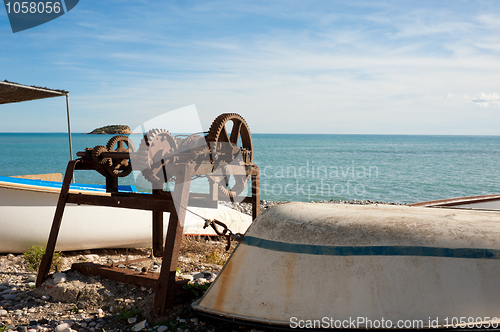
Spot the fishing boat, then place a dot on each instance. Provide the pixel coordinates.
(305, 265)
(27, 209)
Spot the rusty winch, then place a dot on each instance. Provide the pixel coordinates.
(224, 155)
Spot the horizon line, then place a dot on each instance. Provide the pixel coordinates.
(357, 134)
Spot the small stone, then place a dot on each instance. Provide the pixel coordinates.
(162, 328)
(132, 320)
(31, 278)
(198, 275)
(108, 293)
(18, 312)
(45, 297)
(31, 310)
(10, 296)
(59, 277)
(187, 276)
(3, 313)
(22, 329)
(194, 320)
(61, 327)
(100, 313)
(83, 324)
(139, 326)
(92, 324)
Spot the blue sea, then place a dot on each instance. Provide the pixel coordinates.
(296, 167)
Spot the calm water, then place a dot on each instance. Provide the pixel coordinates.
(314, 167)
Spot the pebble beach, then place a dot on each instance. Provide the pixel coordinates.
(70, 301)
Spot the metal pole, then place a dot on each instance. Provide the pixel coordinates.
(69, 129)
(69, 134)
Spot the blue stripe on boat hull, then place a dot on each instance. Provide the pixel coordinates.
(54, 184)
(372, 250)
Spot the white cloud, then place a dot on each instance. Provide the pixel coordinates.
(486, 100)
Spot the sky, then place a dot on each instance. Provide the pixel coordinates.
(331, 67)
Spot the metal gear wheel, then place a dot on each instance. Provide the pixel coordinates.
(155, 144)
(238, 143)
(120, 167)
(96, 155)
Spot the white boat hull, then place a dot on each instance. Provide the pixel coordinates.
(27, 211)
(304, 263)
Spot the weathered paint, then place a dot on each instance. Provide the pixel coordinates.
(312, 261)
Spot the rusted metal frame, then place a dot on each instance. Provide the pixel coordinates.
(111, 183)
(157, 227)
(139, 203)
(164, 297)
(46, 261)
(128, 276)
(255, 192)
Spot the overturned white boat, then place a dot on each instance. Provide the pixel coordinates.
(27, 209)
(306, 265)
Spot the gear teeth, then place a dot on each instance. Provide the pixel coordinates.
(116, 139)
(119, 167)
(150, 145)
(212, 140)
(96, 155)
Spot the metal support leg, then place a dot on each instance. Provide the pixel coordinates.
(111, 184)
(44, 269)
(255, 192)
(164, 296)
(157, 229)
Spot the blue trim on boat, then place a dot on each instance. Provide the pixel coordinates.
(371, 250)
(58, 185)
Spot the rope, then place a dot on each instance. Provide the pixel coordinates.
(226, 232)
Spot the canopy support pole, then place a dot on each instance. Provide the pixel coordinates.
(69, 129)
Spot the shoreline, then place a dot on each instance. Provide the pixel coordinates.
(264, 205)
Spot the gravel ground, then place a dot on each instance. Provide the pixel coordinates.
(264, 205)
(86, 303)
